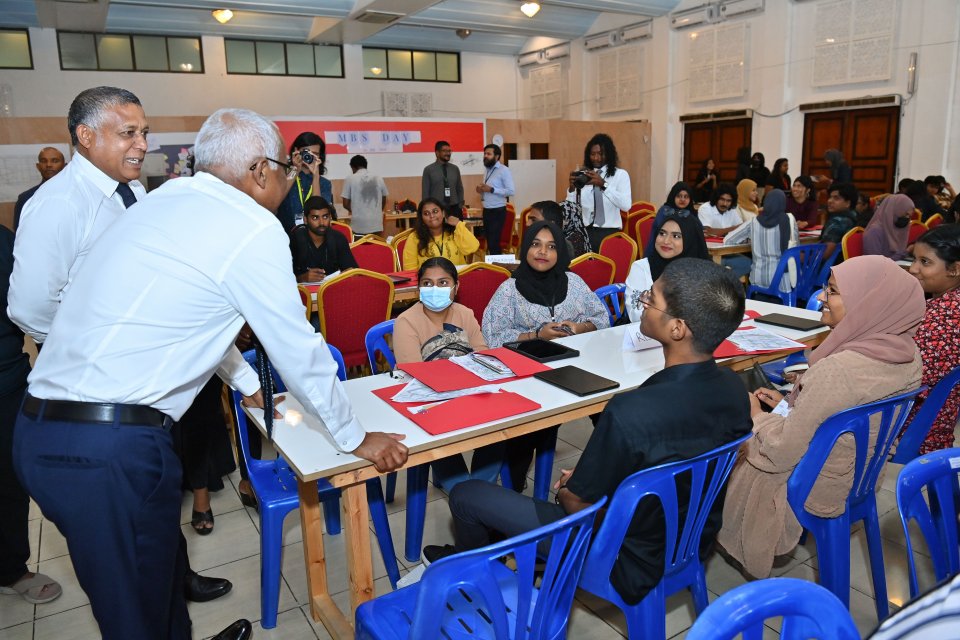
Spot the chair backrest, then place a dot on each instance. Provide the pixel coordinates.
(513, 603)
(374, 254)
(305, 299)
(642, 205)
(891, 412)
(916, 216)
(917, 229)
(916, 432)
(343, 228)
(610, 297)
(506, 234)
(823, 273)
(478, 282)
(405, 205)
(620, 248)
(707, 474)
(813, 302)
(349, 305)
(644, 229)
(852, 243)
(807, 258)
(376, 342)
(936, 516)
(399, 242)
(808, 611)
(596, 270)
(934, 221)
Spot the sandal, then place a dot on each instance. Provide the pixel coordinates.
(31, 587)
(200, 518)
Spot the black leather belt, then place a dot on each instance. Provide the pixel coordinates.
(99, 412)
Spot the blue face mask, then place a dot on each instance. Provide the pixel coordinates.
(436, 298)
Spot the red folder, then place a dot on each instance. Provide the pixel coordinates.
(462, 412)
(443, 375)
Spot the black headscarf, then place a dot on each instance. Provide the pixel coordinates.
(774, 214)
(545, 288)
(671, 197)
(694, 245)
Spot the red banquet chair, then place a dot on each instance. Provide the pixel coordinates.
(478, 283)
(344, 228)
(852, 243)
(620, 248)
(349, 304)
(596, 270)
(374, 254)
(917, 229)
(644, 229)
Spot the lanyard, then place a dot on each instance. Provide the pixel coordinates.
(490, 171)
(300, 192)
(439, 245)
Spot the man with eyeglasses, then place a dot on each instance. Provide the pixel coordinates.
(690, 407)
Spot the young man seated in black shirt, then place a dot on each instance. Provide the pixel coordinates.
(690, 407)
(317, 250)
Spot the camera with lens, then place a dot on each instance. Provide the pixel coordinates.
(307, 157)
(580, 180)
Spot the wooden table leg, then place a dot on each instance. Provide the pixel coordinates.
(322, 607)
(356, 525)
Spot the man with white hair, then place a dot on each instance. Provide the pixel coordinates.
(151, 316)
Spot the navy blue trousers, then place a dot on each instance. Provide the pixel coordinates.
(493, 221)
(114, 493)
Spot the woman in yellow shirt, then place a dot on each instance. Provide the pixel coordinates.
(436, 236)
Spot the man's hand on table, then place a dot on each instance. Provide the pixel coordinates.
(256, 400)
(312, 275)
(384, 450)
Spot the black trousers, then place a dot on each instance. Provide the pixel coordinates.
(481, 510)
(201, 441)
(596, 235)
(493, 220)
(14, 501)
(114, 492)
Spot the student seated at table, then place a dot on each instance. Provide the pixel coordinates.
(542, 300)
(690, 407)
(679, 200)
(747, 200)
(317, 250)
(678, 236)
(437, 328)
(551, 212)
(719, 216)
(888, 231)
(873, 308)
(769, 235)
(438, 235)
(802, 203)
(840, 217)
(936, 265)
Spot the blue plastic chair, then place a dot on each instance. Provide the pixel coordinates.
(808, 611)
(610, 297)
(916, 432)
(474, 594)
(376, 343)
(275, 486)
(807, 257)
(682, 566)
(774, 370)
(833, 534)
(822, 275)
(939, 473)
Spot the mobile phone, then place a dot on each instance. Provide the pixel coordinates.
(567, 330)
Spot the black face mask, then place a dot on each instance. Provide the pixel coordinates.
(900, 223)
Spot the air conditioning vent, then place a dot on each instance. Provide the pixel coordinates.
(378, 17)
(717, 115)
(878, 101)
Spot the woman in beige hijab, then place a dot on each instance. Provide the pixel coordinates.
(873, 308)
(747, 199)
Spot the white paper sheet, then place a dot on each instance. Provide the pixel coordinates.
(416, 391)
(634, 340)
(757, 339)
(471, 364)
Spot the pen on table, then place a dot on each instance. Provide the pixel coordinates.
(482, 362)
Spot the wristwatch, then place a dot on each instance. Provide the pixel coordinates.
(604, 185)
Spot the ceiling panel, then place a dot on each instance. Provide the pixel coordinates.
(18, 13)
(410, 37)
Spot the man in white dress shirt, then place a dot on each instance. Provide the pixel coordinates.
(147, 321)
(606, 191)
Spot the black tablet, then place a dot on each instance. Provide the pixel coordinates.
(576, 380)
(400, 279)
(542, 350)
(790, 322)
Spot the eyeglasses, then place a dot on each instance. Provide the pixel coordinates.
(290, 170)
(645, 300)
(829, 291)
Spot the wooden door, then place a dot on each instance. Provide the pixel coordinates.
(719, 140)
(868, 139)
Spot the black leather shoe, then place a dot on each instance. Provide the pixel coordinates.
(239, 630)
(198, 588)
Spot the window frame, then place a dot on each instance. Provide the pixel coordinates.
(386, 75)
(286, 65)
(29, 47)
(133, 52)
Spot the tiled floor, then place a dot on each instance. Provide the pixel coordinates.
(232, 552)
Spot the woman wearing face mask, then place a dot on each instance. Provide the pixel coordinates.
(680, 199)
(438, 328)
(758, 169)
(936, 265)
(802, 204)
(888, 231)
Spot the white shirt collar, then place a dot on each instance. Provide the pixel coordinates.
(104, 183)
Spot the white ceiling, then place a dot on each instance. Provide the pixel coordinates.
(497, 25)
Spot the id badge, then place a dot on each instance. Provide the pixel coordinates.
(446, 192)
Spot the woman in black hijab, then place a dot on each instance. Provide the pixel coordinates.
(680, 199)
(680, 235)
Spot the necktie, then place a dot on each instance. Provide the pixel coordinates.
(446, 184)
(598, 213)
(126, 194)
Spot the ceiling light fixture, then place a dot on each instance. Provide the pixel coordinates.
(530, 9)
(463, 34)
(223, 16)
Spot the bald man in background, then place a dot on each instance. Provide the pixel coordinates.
(49, 163)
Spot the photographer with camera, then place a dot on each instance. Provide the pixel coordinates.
(309, 154)
(601, 189)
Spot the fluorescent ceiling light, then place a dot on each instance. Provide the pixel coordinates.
(223, 16)
(530, 9)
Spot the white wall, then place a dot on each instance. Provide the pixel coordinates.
(488, 87)
(780, 67)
